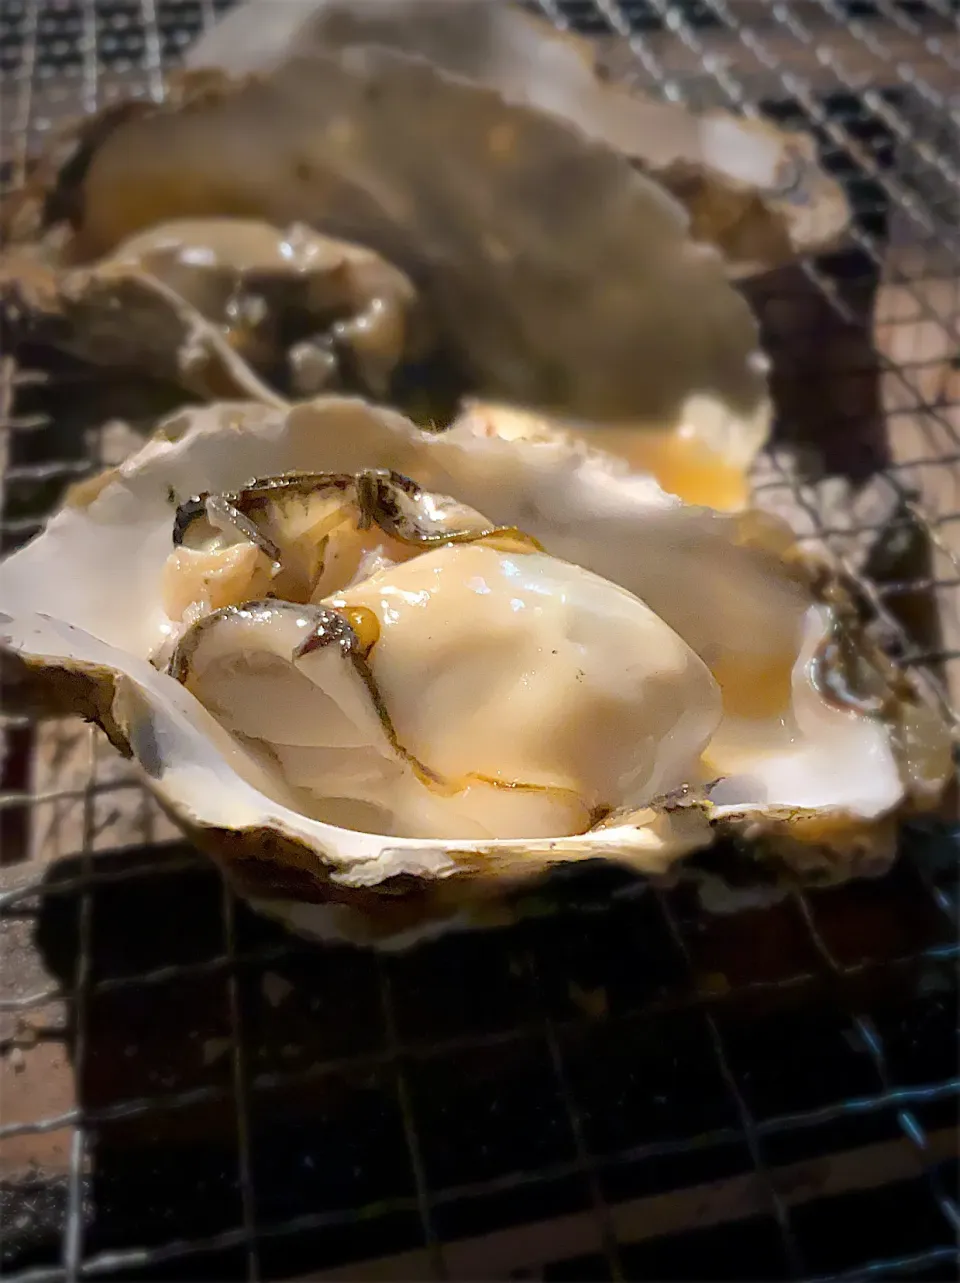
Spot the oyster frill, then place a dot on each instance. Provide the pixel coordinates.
(436, 704)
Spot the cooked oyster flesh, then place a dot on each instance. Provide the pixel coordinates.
(264, 286)
(227, 307)
(505, 695)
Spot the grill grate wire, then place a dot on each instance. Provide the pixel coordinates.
(518, 1150)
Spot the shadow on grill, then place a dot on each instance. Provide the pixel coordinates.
(624, 1085)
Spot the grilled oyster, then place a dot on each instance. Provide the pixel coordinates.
(756, 192)
(468, 693)
(559, 277)
(226, 308)
(393, 741)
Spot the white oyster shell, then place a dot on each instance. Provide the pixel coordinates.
(806, 765)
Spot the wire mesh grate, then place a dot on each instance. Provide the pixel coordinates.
(630, 1086)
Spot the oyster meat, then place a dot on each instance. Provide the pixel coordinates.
(478, 694)
(226, 307)
(755, 191)
(380, 708)
(436, 680)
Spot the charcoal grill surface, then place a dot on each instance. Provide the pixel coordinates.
(633, 1087)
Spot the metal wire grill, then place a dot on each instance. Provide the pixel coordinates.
(632, 1087)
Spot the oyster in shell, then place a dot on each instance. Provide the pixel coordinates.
(226, 308)
(559, 277)
(756, 192)
(433, 708)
